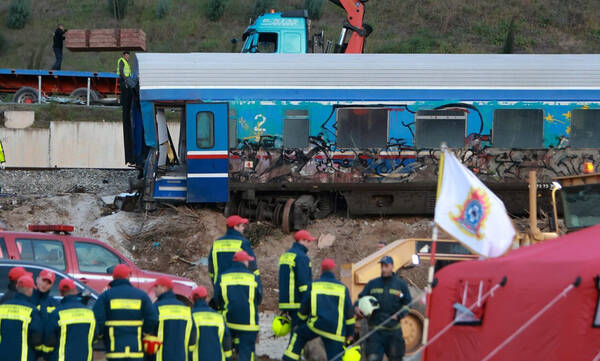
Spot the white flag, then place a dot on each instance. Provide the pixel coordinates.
(469, 211)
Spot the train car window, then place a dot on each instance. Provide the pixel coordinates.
(434, 127)
(295, 128)
(362, 127)
(233, 140)
(205, 130)
(585, 127)
(518, 128)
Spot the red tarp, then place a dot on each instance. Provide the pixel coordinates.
(535, 275)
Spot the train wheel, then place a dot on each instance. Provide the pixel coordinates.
(81, 95)
(26, 95)
(285, 218)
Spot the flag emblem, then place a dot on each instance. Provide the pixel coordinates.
(473, 213)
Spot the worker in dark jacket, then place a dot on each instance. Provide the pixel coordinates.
(123, 314)
(222, 250)
(13, 276)
(71, 328)
(127, 89)
(392, 294)
(295, 275)
(327, 310)
(45, 303)
(57, 46)
(21, 328)
(238, 295)
(213, 339)
(175, 327)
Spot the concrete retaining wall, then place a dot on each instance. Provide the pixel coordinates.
(69, 145)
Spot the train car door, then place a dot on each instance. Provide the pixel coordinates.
(207, 156)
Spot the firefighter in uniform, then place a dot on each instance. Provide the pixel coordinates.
(222, 250)
(45, 303)
(327, 310)
(13, 276)
(213, 339)
(123, 313)
(21, 328)
(71, 328)
(175, 327)
(238, 295)
(295, 275)
(392, 294)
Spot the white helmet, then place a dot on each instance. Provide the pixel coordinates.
(367, 305)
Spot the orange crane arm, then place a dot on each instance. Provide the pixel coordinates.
(355, 12)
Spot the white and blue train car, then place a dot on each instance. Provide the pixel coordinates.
(282, 137)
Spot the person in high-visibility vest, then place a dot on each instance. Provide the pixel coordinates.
(295, 275)
(126, 86)
(328, 313)
(2, 158)
(213, 339)
(21, 327)
(71, 327)
(176, 330)
(45, 303)
(123, 314)
(222, 250)
(238, 295)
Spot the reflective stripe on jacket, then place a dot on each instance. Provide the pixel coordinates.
(295, 276)
(174, 328)
(222, 250)
(123, 313)
(70, 331)
(213, 339)
(238, 295)
(392, 293)
(126, 68)
(327, 308)
(21, 329)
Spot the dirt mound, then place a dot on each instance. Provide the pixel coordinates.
(178, 240)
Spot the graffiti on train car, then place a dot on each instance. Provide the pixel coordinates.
(304, 142)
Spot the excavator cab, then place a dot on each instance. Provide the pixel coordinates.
(580, 196)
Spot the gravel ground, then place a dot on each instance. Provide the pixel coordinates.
(61, 181)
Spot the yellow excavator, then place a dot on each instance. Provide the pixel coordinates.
(580, 197)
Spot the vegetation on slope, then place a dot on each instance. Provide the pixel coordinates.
(406, 26)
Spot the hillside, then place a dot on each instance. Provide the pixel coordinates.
(424, 26)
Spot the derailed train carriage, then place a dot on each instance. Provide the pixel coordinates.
(287, 138)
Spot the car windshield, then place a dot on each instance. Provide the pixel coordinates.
(581, 205)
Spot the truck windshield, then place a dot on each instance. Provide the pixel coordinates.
(581, 205)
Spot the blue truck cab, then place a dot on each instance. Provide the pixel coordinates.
(283, 33)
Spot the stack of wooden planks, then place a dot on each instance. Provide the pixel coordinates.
(106, 40)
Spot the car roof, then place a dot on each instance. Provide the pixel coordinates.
(17, 263)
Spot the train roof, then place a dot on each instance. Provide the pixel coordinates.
(368, 71)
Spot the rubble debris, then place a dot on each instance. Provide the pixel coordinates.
(326, 240)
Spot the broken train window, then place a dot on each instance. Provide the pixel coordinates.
(362, 127)
(471, 293)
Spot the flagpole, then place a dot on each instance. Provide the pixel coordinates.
(434, 238)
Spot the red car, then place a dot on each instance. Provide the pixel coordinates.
(88, 260)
